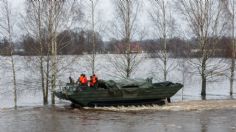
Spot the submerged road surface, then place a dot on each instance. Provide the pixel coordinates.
(198, 116)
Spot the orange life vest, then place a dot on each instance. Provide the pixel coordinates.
(93, 81)
(80, 79)
(84, 80)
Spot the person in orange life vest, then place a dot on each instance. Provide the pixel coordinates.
(93, 80)
(79, 79)
(84, 80)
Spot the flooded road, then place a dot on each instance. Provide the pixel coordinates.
(205, 116)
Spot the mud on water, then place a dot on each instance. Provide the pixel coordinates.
(191, 116)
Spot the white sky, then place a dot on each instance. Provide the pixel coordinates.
(105, 14)
(17, 4)
(104, 9)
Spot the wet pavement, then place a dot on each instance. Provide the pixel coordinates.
(205, 116)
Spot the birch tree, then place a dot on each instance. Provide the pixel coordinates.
(33, 24)
(62, 15)
(164, 26)
(125, 27)
(229, 8)
(6, 30)
(92, 9)
(44, 21)
(204, 21)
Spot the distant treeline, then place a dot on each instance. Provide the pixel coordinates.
(77, 43)
(178, 47)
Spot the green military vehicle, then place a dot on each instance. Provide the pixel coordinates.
(114, 93)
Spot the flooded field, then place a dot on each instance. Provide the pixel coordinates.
(195, 116)
(187, 113)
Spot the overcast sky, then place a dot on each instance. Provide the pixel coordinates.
(105, 14)
(104, 11)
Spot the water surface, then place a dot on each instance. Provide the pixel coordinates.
(48, 119)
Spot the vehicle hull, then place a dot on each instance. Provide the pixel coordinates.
(86, 96)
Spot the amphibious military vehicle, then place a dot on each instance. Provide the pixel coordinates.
(114, 93)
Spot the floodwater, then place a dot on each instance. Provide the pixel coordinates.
(217, 114)
(151, 119)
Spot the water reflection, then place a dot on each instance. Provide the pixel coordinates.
(204, 122)
(203, 97)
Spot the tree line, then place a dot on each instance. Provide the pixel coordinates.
(73, 43)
